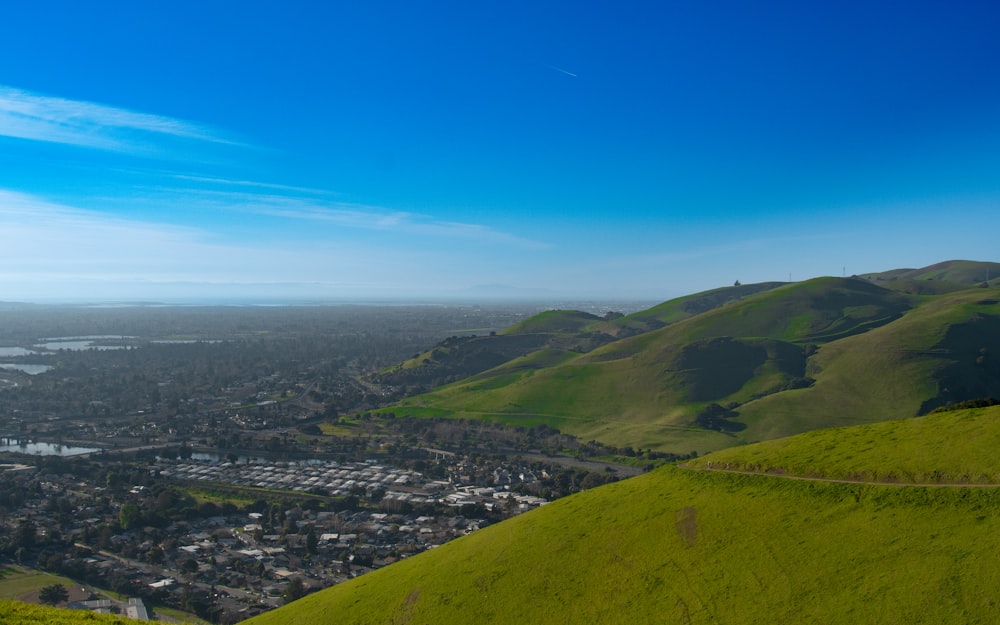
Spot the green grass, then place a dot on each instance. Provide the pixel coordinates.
(176, 616)
(338, 429)
(218, 497)
(683, 546)
(908, 451)
(19, 591)
(881, 355)
(20, 584)
(17, 613)
(554, 322)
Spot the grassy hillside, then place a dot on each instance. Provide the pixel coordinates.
(946, 277)
(458, 358)
(687, 546)
(688, 306)
(17, 613)
(929, 357)
(554, 322)
(787, 359)
(941, 448)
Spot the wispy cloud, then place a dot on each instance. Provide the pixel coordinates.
(561, 70)
(251, 184)
(376, 218)
(302, 205)
(27, 115)
(50, 250)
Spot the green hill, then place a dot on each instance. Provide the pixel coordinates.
(458, 358)
(692, 546)
(683, 307)
(554, 322)
(763, 364)
(951, 275)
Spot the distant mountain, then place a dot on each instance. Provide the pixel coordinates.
(694, 545)
(737, 365)
(505, 291)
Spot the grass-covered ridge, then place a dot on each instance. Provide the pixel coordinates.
(955, 447)
(786, 359)
(706, 547)
(944, 277)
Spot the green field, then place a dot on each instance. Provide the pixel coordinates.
(19, 592)
(23, 584)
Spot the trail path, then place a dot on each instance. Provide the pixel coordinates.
(805, 478)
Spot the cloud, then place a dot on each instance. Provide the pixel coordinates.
(51, 251)
(349, 215)
(559, 69)
(36, 117)
(374, 218)
(251, 183)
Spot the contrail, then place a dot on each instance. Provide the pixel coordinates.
(559, 69)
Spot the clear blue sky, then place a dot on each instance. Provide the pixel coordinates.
(324, 150)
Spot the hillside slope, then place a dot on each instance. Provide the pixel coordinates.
(18, 613)
(686, 546)
(786, 359)
(944, 277)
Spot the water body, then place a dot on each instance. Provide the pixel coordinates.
(29, 369)
(80, 343)
(42, 449)
(11, 352)
(185, 341)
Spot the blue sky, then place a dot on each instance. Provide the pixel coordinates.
(308, 150)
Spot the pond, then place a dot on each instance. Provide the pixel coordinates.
(37, 448)
(10, 352)
(29, 369)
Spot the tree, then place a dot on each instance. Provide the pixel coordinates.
(295, 590)
(189, 566)
(311, 541)
(24, 537)
(129, 516)
(51, 595)
(155, 555)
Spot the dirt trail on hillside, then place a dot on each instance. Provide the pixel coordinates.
(805, 478)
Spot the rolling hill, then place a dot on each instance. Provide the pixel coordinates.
(951, 275)
(692, 545)
(765, 362)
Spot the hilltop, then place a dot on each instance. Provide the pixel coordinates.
(742, 364)
(699, 546)
(950, 275)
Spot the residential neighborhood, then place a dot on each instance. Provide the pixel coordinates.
(226, 562)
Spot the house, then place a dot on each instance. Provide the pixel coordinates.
(136, 610)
